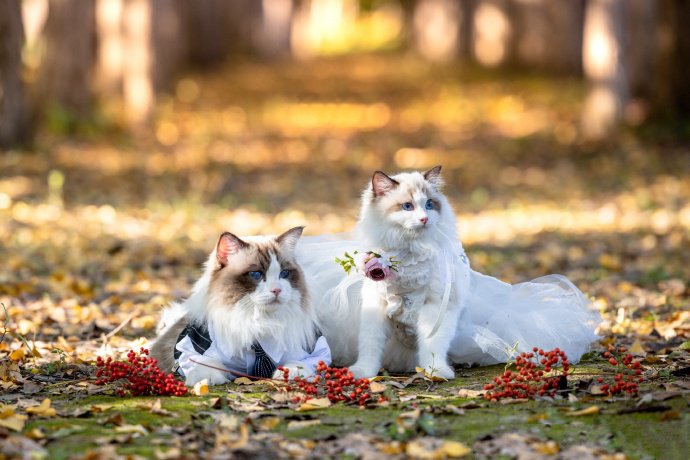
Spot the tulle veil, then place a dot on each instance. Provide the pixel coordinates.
(497, 320)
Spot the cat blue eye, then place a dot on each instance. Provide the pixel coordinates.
(256, 276)
(429, 204)
(284, 273)
(407, 206)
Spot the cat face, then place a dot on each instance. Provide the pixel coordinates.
(258, 270)
(410, 202)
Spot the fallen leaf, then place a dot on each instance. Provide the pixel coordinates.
(30, 387)
(313, 404)
(547, 448)
(157, 409)
(470, 394)
(299, 424)
(537, 417)
(42, 410)
(637, 349)
(200, 388)
(227, 421)
(269, 423)
(18, 354)
(455, 449)
(376, 387)
(670, 415)
(132, 429)
(243, 381)
(591, 410)
(97, 408)
(10, 419)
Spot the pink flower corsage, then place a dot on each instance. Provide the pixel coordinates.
(371, 264)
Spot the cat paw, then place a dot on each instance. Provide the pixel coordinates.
(443, 370)
(362, 371)
(200, 372)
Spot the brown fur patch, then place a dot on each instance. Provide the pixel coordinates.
(233, 280)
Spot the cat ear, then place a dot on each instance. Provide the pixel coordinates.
(228, 244)
(382, 184)
(288, 240)
(433, 176)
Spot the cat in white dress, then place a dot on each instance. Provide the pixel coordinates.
(434, 310)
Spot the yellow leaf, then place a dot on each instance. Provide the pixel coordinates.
(537, 417)
(243, 381)
(547, 448)
(313, 404)
(10, 419)
(18, 354)
(376, 387)
(390, 448)
(455, 449)
(96, 408)
(14, 422)
(591, 410)
(637, 349)
(200, 388)
(42, 410)
(35, 433)
(268, 423)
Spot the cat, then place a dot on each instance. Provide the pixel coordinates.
(407, 217)
(250, 303)
(434, 310)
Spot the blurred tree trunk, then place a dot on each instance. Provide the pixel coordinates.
(138, 81)
(547, 34)
(65, 70)
(672, 96)
(492, 32)
(436, 29)
(110, 51)
(275, 28)
(13, 110)
(603, 62)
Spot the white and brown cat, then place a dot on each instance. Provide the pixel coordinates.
(248, 313)
(435, 310)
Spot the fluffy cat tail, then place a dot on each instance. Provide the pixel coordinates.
(173, 321)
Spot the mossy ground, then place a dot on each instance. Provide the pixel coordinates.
(659, 433)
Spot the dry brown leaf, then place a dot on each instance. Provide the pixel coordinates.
(547, 448)
(243, 381)
(269, 423)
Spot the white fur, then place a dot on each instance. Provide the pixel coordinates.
(419, 248)
(256, 315)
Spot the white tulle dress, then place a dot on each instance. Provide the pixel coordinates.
(496, 320)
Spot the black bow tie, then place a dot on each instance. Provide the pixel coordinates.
(263, 365)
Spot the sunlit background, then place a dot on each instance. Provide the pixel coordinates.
(135, 131)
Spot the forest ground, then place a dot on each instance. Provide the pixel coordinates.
(101, 229)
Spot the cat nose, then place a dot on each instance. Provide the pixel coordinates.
(424, 220)
(276, 291)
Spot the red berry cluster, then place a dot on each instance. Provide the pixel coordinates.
(627, 376)
(138, 376)
(530, 379)
(338, 384)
